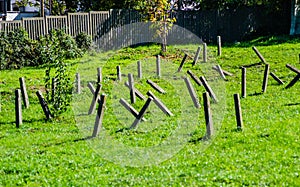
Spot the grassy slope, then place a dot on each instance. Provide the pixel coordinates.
(265, 153)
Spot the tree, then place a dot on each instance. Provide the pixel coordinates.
(159, 13)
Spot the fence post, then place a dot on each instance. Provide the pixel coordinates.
(131, 87)
(24, 92)
(276, 78)
(244, 93)
(130, 108)
(78, 86)
(196, 56)
(139, 67)
(194, 77)
(266, 75)
(158, 65)
(182, 62)
(160, 104)
(204, 52)
(44, 105)
(258, 54)
(95, 99)
(91, 87)
(219, 45)
(119, 75)
(99, 116)
(192, 92)
(141, 113)
(208, 115)
(99, 75)
(238, 111)
(18, 108)
(155, 86)
(208, 89)
(219, 69)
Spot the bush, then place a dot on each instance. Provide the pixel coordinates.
(17, 49)
(84, 41)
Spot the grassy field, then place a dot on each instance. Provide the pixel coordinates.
(58, 153)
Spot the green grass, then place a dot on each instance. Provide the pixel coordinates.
(57, 153)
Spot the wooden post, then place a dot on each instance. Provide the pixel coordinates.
(219, 69)
(204, 52)
(266, 75)
(99, 75)
(292, 68)
(244, 83)
(78, 85)
(137, 92)
(208, 115)
(24, 92)
(18, 108)
(139, 67)
(225, 72)
(219, 45)
(258, 54)
(91, 87)
(238, 111)
(276, 78)
(130, 108)
(208, 89)
(192, 92)
(293, 81)
(99, 116)
(141, 113)
(155, 86)
(131, 87)
(194, 77)
(119, 75)
(196, 56)
(158, 66)
(95, 99)
(182, 62)
(44, 105)
(160, 104)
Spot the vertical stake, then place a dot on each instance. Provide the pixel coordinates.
(196, 56)
(99, 75)
(78, 86)
(192, 92)
(99, 116)
(219, 45)
(265, 81)
(119, 75)
(244, 93)
(208, 115)
(131, 87)
(238, 111)
(95, 99)
(18, 108)
(44, 105)
(139, 66)
(24, 92)
(182, 62)
(208, 89)
(158, 65)
(204, 52)
(141, 113)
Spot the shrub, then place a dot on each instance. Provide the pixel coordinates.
(17, 49)
(84, 41)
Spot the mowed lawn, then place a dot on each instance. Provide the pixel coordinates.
(265, 153)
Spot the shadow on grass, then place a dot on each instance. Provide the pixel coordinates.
(292, 104)
(265, 41)
(255, 94)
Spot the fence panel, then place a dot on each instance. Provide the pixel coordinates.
(7, 26)
(34, 26)
(78, 22)
(57, 22)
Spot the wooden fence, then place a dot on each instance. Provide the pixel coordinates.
(232, 25)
